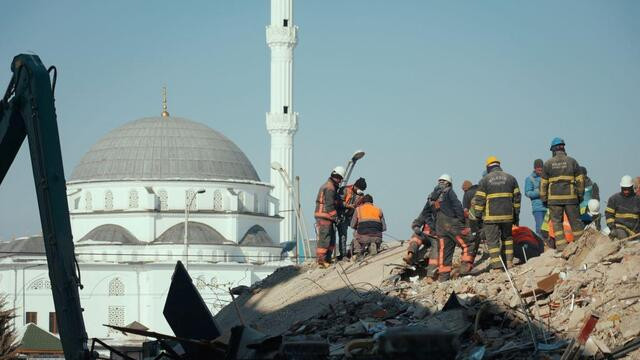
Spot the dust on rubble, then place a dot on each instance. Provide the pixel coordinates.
(371, 300)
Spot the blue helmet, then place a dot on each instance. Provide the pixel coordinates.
(557, 141)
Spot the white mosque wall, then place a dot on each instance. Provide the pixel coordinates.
(147, 209)
(121, 293)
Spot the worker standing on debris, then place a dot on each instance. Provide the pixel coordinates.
(497, 204)
(561, 190)
(623, 211)
(368, 222)
(532, 191)
(351, 197)
(591, 191)
(423, 240)
(474, 226)
(326, 212)
(450, 228)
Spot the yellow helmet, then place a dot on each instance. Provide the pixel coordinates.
(492, 159)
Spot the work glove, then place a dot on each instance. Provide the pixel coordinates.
(426, 229)
(466, 231)
(417, 231)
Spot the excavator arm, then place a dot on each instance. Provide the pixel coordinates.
(27, 110)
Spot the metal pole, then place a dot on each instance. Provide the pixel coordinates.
(186, 228)
(296, 200)
(299, 207)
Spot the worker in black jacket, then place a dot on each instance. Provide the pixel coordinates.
(561, 191)
(497, 204)
(623, 211)
(424, 241)
(450, 228)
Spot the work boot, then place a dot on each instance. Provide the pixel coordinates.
(444, 277)
(509, 264)
(373, 249)
(465, 268)
(323, 264)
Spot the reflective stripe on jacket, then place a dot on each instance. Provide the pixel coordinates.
(562, 182)
(623, 211)
(327, 202)
(368, 220)
(497, 198)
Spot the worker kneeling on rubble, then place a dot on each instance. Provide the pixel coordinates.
(368, 222)
(497, 204)
(450, 228)
(623, 211)
(423, 241)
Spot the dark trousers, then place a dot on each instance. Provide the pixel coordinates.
(449, 233)
(556, 215)
(343, 230)
(326, 241)
(362, 243)
(500, 242)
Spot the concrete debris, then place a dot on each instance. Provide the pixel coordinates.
(364, 309)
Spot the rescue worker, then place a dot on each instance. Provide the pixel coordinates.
(326, 212)
(593, 209)
(351, 197)
(591, 191)
(450, 228)
(423, 241)
(526, 243)
(561, 190)
(532, 191)
(623, 211)
(475, 226)
(497, 204)
(369, 224)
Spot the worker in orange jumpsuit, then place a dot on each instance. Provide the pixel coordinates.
(327, 205)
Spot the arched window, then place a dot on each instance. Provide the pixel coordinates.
(133, 199)
(108, 200)
(87, 201)
(116, 287)
(218, 204)
(190, 196)
(115, 317)
(40, 284)
(164, 199)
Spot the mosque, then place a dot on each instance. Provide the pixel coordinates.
(161, 189)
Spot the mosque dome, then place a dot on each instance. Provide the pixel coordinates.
(164, 148)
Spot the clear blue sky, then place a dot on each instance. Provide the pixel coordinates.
(424, 87)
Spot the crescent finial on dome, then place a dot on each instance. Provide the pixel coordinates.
(165, 113)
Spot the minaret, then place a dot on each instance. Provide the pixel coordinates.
(282, 121)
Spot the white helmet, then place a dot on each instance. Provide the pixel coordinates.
(594, 207)
(446, 177)
(626, 181)
(339, 170)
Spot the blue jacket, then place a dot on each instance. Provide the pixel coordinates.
(532, 191)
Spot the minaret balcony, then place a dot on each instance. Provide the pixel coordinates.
(279, 122)
(282, 35)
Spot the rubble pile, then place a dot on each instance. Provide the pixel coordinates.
(484, 315)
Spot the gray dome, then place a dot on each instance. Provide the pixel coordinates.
(256, 236)
(111, 233)
(164, 148)
(198, 233)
